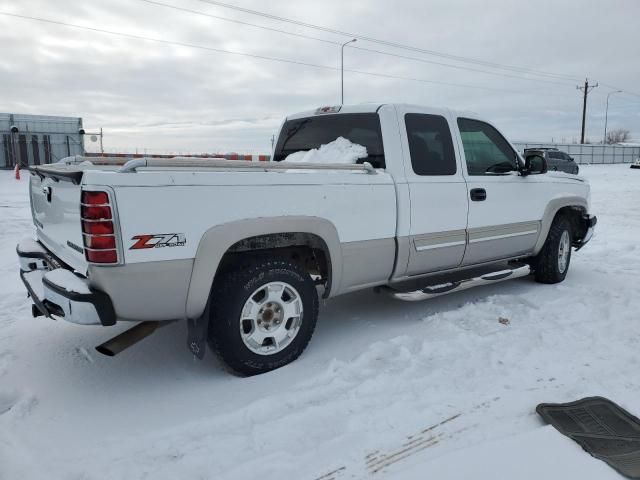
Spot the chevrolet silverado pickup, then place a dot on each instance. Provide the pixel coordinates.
(440, 201)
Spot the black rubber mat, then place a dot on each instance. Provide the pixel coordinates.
(602, 428)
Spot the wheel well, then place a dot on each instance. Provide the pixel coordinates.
(308, 249)
(575, 215)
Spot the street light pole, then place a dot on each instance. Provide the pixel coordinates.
(606, 116)
(342, 68)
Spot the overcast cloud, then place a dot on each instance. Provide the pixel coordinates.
(177, 99)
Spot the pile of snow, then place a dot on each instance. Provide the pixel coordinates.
(340, 150)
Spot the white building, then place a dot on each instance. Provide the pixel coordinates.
(38, 139)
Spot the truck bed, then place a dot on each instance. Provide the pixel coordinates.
(191, 200)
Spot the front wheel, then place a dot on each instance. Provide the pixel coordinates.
(552, 263)
(262, 317)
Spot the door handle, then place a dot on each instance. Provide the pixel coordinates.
(478, 194)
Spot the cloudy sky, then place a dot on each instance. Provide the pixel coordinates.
(164, 97)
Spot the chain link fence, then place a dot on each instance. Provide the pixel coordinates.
(590, 154)
(38, 139)
(36, 149)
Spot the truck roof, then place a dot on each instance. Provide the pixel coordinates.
(368, 108)
(358, 108)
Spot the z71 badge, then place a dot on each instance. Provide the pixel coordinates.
(158, 240)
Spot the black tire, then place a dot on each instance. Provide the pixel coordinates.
(546, 265)
(228, 296)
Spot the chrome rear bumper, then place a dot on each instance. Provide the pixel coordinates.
(58, 292)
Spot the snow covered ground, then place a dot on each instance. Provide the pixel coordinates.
(386, 389)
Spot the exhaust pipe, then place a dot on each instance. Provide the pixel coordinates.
(129, 337)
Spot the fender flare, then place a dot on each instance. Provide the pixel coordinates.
(550, 213)
(217, 240)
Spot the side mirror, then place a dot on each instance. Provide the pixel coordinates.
(535, 165)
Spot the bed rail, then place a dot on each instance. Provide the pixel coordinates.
(131, 165)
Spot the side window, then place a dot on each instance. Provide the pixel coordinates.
(485, 149)
(430, 144)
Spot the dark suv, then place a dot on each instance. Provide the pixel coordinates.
(556, 160)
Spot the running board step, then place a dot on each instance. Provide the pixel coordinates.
(442, 289)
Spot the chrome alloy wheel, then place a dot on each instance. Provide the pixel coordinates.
(564, 249)
(271, 318)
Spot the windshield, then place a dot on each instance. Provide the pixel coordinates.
(307, 133)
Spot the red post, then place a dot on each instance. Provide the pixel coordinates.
(17, 171)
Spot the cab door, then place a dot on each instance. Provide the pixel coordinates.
(437, 191)
(505, 208)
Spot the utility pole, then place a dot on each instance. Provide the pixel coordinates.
(586, 89)
(342, 68)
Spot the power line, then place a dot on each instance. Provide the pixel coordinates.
(460, 67)
(250, 55)
(331, 42)
(239, 22)
(389, 43)
(621, 89)
(523, 70)
(166, 42)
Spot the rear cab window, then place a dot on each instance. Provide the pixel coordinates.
(307, 133)
(430, 144)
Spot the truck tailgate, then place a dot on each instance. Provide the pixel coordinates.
(55, 204)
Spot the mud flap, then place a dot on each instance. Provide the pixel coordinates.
(197, 334)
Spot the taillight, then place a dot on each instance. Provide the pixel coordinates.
(102, 256)
(95, 198)
(100, 242)
(97, 213)
(97, 228)
(100, 245)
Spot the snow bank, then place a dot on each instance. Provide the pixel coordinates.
(340, 150)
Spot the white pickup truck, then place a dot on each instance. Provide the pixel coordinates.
(242, 250)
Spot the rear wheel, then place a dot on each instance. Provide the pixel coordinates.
(552, 263)
(262, 317)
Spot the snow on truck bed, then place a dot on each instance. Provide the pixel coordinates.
(340, 150)
(441, 389)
